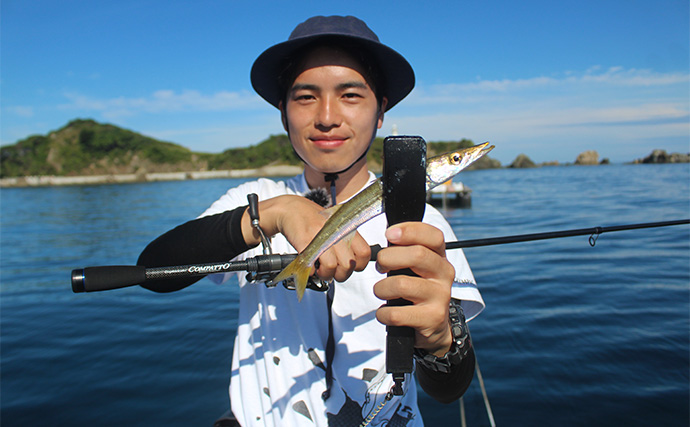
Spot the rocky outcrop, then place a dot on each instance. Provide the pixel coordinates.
(589, 157)
(522, 161)
(661, 156)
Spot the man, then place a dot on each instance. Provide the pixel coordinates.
(332, 82)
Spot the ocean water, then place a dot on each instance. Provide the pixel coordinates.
(572, 334)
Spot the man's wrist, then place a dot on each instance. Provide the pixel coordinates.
(459, 347)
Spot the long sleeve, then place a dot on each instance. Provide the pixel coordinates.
(449, 387)
(213, 238)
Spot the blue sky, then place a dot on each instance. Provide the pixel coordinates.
(549, 79)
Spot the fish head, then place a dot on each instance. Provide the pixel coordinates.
(440, 169)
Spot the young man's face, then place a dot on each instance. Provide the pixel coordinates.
(331, 112)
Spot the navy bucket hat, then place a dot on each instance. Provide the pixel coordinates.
(396, 75)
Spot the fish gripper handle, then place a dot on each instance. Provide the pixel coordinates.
(404, 199)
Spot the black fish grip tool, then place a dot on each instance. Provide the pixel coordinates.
(404, 199)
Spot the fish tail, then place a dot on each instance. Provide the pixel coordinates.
(299, 270)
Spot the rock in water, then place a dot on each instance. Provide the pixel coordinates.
(590, 157)
(661, 156)
(522, 161)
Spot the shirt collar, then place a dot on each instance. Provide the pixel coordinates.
(302, 187)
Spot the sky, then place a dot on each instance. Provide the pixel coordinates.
(549, 79)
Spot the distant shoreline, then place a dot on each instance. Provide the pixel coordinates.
(53, 180)
(85, 152)
(264, 171)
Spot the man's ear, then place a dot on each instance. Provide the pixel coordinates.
(382, 108)
(283, 116)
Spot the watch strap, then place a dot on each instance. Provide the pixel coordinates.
(459, 348)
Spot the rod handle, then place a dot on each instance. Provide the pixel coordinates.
(91, 279)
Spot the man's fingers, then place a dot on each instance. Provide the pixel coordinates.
(423, 261)
(417, 233)
(414, 316)
(341, 260)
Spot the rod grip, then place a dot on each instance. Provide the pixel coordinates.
(91, 279)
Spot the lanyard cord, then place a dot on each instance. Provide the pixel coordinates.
(330, 343)
(332, 177)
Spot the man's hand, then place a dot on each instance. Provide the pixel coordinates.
(420, 247)
(299, 219)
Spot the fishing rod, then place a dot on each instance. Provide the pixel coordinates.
(593, 232)
(262, 268)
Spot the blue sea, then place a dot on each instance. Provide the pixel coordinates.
(571, 335)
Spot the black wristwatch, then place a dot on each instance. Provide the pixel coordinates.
(458, 349)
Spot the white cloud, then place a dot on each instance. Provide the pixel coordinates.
(593, 79)
(20, 110)
(163, 101)
(512, 123)
(634, 77)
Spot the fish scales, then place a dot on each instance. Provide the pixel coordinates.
(348, 217)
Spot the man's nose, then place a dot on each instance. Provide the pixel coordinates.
(328, 115)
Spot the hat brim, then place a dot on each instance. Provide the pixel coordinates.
(397, 73)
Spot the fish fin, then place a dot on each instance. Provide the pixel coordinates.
(299, 270)
(330, 211)
(348, 237)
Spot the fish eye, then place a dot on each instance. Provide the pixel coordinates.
(456, 158)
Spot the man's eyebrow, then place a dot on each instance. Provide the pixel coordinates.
(342, 86)
(353, 85)
(303, 86)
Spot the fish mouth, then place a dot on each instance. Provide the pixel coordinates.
(486, 148)
(481, 149)
(478, 151)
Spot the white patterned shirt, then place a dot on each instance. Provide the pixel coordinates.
(278, 364)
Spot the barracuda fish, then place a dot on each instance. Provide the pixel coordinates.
(346, 218)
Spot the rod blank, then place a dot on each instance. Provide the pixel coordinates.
(558, 234)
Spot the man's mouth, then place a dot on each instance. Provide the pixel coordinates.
(328, 143)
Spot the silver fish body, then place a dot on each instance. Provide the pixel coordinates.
(368, 203)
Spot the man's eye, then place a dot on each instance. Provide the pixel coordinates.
(303, 97)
